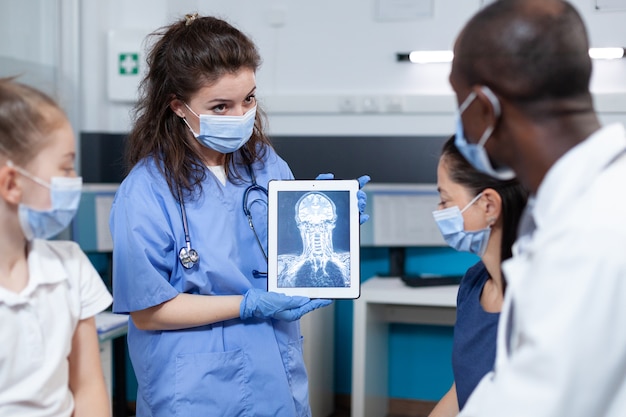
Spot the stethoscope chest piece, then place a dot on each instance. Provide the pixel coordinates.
(188, 257)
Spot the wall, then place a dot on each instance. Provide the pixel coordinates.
(326, 48)
(319, 54)
(33, 53)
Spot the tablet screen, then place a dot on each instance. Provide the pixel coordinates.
(313, 238)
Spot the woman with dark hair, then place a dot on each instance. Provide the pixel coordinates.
(189, 227)
(479, 214)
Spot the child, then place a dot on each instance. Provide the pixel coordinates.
(49, 292)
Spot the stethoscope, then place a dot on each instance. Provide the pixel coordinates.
(189, 257)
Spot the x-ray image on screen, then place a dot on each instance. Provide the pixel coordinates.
(313, 239)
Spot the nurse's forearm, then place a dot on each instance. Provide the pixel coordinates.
(188, 310)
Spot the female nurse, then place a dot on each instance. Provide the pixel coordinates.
(206, 338)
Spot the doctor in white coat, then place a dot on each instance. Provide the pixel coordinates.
(521, 75)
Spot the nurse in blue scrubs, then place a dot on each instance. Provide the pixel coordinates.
(206, 338)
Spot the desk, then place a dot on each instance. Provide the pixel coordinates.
(111, 329)
(384, 301)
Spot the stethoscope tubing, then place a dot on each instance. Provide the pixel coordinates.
(188, 256)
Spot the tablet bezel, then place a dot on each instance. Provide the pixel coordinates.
(301, 187)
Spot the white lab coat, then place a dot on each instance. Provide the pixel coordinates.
(561, 347)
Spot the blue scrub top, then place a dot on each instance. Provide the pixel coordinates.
(231, 368)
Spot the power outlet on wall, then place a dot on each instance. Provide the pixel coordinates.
(347, 104)
(370, 105)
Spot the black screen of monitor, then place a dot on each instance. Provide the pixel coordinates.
(393, 159)
(385, 159)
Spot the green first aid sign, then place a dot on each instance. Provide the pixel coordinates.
(128, 63)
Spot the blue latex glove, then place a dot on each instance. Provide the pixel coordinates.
(262, 304)
(361, 196)
(328, 176)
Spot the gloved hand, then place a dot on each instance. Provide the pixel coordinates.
(361, 196)
(262, 304)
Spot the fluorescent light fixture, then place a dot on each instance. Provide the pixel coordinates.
(427, 57)
(433, 57)
(606, 53)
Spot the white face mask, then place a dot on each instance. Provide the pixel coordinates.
(225, 134)
(65, 195)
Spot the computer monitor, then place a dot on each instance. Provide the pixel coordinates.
(386, 159)
(102, 157)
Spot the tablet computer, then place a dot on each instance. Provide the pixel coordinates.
(313, 238)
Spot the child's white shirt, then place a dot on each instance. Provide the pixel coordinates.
(37, 326)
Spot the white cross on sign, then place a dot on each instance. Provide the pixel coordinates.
(129, 63)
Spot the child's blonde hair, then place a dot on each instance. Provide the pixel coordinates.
(27, 116)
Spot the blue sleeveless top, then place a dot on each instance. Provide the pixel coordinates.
(474, 344)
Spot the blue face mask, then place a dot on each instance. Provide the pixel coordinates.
(225, 134)
(475, 153)
(450, 223)
(65, 195)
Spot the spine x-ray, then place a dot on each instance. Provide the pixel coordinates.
(313, 239)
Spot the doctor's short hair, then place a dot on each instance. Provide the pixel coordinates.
(27, 117)
(526, 50)
(514, 196)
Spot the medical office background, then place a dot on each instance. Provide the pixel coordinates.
(331, 83)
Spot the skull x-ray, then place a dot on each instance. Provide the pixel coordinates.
(313, 239)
